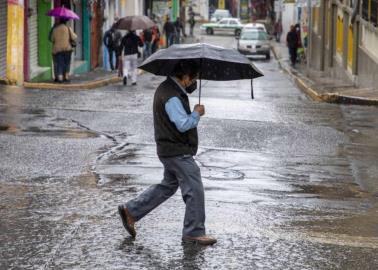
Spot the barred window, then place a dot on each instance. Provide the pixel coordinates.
(373, 12)
(365, 9)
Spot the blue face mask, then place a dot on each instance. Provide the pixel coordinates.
(191, 88)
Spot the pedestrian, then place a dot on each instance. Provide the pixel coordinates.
(64, 41)
(130, 43)
(169, 31)
(278, 30)
(55, 66)
(147, 40)
(183, 18)
(292, 44)
(178, 28)
(192, 23)
(110, 41)
(155, 38)
(177, 142)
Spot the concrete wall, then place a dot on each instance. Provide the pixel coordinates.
(316, 51)
(289, 17)
(367, 69)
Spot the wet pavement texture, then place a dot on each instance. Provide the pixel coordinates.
(290, 183)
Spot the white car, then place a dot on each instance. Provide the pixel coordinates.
(227, 25)
(220, 14)
(254, 42)
(254, 26)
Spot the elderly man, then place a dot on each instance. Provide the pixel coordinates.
(177, 142)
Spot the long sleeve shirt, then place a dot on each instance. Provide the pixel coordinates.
(177, 114)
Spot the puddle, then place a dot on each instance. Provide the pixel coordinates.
(36, 131)
(334, 191)
(221, 174)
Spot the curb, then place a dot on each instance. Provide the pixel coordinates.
(326, 97)
(74, 86)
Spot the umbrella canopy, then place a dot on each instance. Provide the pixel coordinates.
(62, 12)
(216, 63)
(132, 23)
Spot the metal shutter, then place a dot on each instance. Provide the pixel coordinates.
(3, 38)
(33, 37)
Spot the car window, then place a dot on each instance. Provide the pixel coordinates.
(223, 22)
(233, 22)
(254, 35)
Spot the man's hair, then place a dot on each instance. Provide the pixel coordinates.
(187, 67)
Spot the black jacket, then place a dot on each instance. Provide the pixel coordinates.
(169, 140)
(130, 43)
(292, 39)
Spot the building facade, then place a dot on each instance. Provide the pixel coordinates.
(344, 40)
(25, 49)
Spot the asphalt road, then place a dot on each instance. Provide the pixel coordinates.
(290, 183)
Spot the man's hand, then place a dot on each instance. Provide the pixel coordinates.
(200, 109)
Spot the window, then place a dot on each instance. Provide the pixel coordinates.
(370, 11)
(233, 22)
(373, 12)
(223, 22)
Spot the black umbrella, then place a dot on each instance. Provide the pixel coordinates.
(216, 63)
(132, 23)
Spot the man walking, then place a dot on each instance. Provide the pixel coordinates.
(130, 43)
(109, 42)
(169, 31)
(177, 142)
(192, 23)
(147, 39)
(292, 44)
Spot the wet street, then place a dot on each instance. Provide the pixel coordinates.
(290, 183)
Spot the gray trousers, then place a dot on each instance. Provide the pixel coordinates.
(183, 172)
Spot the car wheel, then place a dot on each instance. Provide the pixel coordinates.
(237, 32)
(267, 56)
(209, 31)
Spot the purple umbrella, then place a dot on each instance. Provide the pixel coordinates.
(62, 12)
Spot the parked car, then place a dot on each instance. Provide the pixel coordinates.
(227, 25)
(254, 42)
(252, 26)
(219, 14)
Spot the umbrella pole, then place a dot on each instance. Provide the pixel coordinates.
(252, 96)
(199, 96)
(200, 78)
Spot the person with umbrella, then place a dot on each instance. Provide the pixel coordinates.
(177, 142)
(63, 39)
(64, 42)
(130, 43)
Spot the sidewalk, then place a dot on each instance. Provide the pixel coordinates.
(89, 80)
(319, 86)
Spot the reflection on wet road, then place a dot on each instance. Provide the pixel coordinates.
(290, 183)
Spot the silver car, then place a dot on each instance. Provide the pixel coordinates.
(254, 42)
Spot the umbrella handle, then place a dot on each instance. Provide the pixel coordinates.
(252, 95)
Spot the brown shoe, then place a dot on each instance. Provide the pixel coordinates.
(127, 220)
(202, 240)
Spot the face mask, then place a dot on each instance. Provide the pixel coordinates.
(191, 88)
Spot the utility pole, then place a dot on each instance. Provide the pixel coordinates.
(309, 31)
(238, 9)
